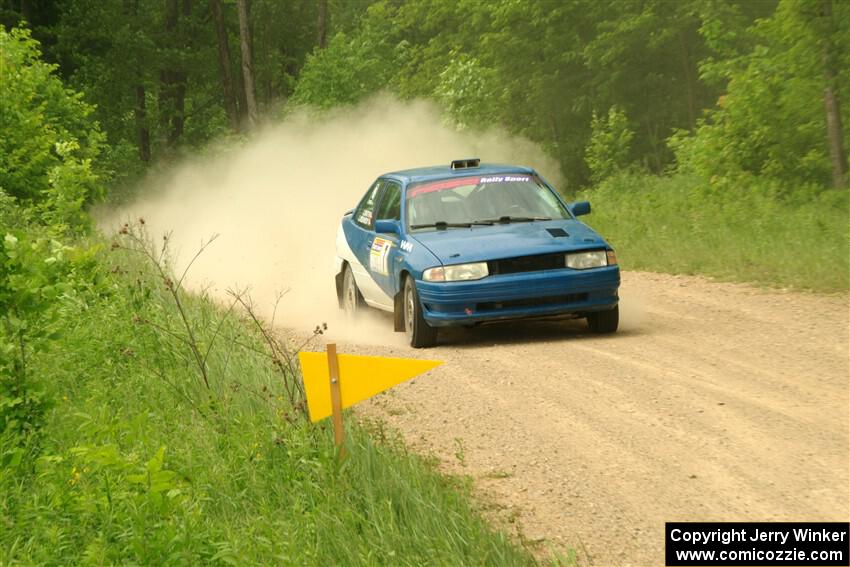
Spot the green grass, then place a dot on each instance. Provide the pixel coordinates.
(682, 225)
(137, 462)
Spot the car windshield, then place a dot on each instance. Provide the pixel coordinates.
(480, 200)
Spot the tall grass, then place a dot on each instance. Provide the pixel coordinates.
(680, 224)
(138, 462)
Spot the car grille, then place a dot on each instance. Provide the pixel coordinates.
(527, 264)
(532, 302)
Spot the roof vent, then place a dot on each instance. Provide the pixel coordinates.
(466, 163)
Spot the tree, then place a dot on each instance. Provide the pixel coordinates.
(173, 75)
(351, 67)
(322, 25)
(771, 121)
(244, 9)
(539, 69)
(140, 112)
(225, 65)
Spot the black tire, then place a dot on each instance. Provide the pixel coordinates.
(352, 300)
(604, 321)
(419, 333)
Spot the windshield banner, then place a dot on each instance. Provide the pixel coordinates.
(460, 182)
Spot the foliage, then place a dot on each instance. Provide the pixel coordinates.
(49, 139)
(154, 72)
(137, 67)
(10, 214)
(37, 276)
(609, 147)
(351, 67)
(738, 85)
(463, 91)
(539, 69)
(771, 123)
(767, 234)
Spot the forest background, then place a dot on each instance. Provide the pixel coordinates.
(710, 136)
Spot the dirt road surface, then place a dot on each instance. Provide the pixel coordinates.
(715, 402)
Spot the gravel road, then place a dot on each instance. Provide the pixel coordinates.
(715, 402)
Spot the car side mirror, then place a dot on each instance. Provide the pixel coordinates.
(388, 226)
(580, 208)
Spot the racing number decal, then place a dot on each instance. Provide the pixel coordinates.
(379, 256)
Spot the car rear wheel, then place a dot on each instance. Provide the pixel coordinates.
(352, 300)
(604, 321)
(419, 333)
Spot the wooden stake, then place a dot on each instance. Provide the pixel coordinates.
(336, 399)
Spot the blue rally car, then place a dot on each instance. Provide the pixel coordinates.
(473, 243)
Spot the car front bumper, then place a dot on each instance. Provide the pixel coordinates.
(522, 295)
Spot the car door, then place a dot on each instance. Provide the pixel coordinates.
(384, 251)
(360, 236)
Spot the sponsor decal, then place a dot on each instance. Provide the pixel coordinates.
(406, 246)
(505, 179)
(379, 256)
(452, 183)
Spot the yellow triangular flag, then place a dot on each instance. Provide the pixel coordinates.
(360, 377)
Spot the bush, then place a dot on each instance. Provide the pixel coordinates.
(34, 273)
(352, 68)
(49, 141)
(763, 233)
(610, 144)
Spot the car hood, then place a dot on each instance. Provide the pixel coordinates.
(481, 243)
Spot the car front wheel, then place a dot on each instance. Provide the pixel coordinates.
(604, 321)
(419, 333)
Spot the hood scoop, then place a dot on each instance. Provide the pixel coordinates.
(557, 232)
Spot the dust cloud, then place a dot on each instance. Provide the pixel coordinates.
(633, 307)
(276, 202)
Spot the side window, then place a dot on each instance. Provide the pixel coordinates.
(363, 214)
(390, 208)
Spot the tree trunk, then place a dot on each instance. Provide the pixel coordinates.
(140, 112)
(178, 100)
(26, 12)
(244, 7)
(142, 132)
(322, 28)
(225, 65)
(836, 138)
(832, 103)
(165, 73)
(173, 78)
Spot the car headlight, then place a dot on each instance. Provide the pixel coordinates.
(591, 259)
(456, 273)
